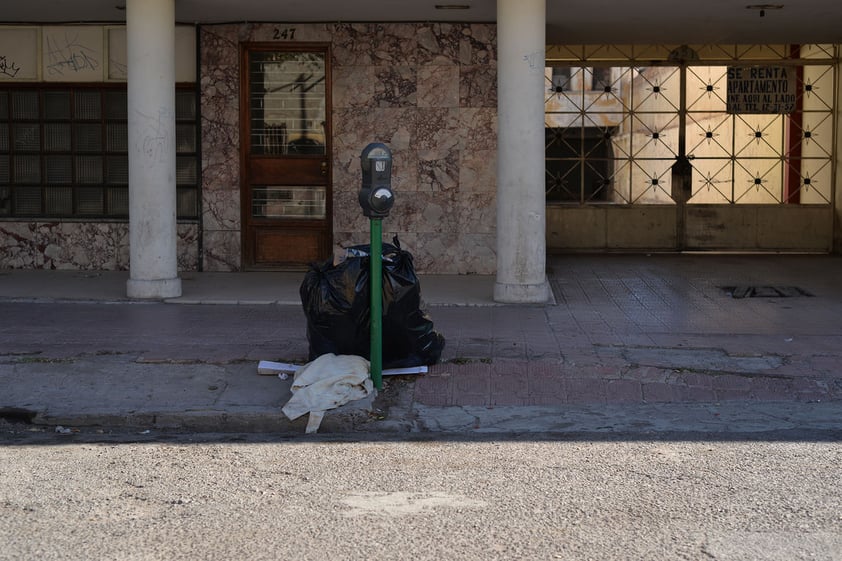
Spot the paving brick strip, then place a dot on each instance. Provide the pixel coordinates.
(516, 382)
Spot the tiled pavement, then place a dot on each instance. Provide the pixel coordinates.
(625, 329)
(651, 329)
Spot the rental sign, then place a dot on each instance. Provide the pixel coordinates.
(761, 89)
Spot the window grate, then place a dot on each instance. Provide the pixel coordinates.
(288, 202)
(286, 103)
(654, 109)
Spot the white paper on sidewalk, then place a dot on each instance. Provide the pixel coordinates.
(269, 368)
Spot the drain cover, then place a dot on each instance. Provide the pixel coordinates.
(757, 291)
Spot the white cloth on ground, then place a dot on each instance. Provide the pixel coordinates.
(326, 383)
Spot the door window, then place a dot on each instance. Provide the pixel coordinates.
(287, 102)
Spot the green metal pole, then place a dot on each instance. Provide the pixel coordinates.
(376, 260)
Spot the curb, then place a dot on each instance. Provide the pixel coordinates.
(737, 419)
(348, 418)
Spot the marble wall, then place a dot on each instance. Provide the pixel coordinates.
(427, 90)
(81, 246)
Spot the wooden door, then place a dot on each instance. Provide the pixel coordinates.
(285, 154)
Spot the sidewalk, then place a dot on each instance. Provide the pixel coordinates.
(215, 288)
(633, 345)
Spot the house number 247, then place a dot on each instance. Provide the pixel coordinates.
(286, 33)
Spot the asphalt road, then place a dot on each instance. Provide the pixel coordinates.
(147, 497)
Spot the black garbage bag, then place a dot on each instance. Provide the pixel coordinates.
(338, 308)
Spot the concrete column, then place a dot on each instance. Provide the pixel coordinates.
(521, 204)
(837, 188)
(150, 32)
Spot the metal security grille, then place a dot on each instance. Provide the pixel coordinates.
(619, 117)
(286, 103)
(64, 153)
(288, 202)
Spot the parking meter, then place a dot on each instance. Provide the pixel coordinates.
(376, 196)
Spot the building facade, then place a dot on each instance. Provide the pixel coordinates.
(504, 147)
(427, 90)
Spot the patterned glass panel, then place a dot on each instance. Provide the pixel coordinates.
(59, 200)
(89, 169)
(5, 200)
(118, 170)
(28, 200)
(58, 169)
(25, 105)
(118, 201)
(57, 137)
(185, 105)
(185, 138)
(185, 170)
(4, 169)
(27, 169)
(88, 105)
(4, 137)
(187, 202)
(4, 106)
(27, 137)
(89, 200)
(57, 106)
(117, 137)
(116, 106)
(87, 138)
